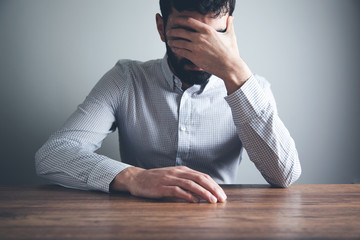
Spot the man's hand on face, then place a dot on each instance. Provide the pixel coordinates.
(178, 182)
(215, 52)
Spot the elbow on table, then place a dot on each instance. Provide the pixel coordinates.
(38, 163)
(288, 180)
(41, 166)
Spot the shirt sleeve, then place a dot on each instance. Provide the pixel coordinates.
(263, 134)
(68, 158)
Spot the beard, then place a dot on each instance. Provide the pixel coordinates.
(186, 76)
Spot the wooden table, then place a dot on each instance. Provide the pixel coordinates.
(251, 212)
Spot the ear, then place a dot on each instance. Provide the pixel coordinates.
(160, 26)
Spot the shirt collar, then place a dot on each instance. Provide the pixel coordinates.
(175, 82)
(169, 76)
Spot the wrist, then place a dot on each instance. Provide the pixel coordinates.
(123, 180)
(236, 76)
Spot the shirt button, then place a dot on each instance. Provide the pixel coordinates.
(183, 128)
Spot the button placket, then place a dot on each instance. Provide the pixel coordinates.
(184, 128)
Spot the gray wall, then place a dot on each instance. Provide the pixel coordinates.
(53, 52)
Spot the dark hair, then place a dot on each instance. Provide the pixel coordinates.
(217, 7)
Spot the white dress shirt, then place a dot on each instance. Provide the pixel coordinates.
(161, 125)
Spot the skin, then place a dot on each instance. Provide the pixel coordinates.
(210, 44)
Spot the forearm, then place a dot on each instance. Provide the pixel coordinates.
(70, 164)
(271, 148)
(263, 134)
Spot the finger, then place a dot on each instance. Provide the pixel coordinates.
(206, 176)
(190, 23)
(183, 53)
(178, 192)
(180, 43)
(208, 183)
(194, 188)
(180, 33)
(205, 181)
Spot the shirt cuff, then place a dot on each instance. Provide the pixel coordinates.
(104, 173)
(248, 102)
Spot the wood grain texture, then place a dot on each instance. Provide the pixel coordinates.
(251, 212)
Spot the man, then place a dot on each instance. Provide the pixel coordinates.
(183, 120)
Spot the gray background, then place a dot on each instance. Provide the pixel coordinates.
(53, 52)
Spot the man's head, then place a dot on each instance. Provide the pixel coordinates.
(216, 7)
(211, 12)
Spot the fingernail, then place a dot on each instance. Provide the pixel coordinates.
(224, 197)
(213, 199)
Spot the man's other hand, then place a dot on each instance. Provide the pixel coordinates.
(178, 182)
